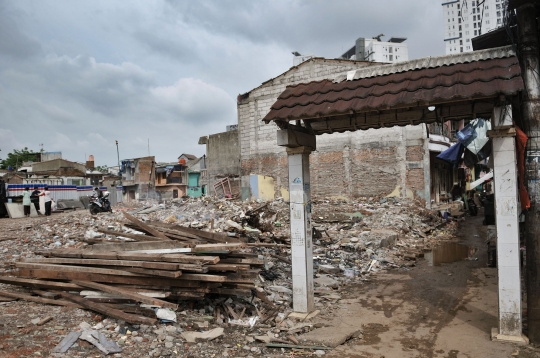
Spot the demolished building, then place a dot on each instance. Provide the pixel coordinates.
(396, 161)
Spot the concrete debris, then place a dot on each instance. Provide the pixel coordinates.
(248, 306)
(202, 336)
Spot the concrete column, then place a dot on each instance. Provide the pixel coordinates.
(301, 229)
(507, 222)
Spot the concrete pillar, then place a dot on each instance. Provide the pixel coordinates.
(301, 229)
(507, 222)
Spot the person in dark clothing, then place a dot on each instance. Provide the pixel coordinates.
(456, 191)
(35, 198)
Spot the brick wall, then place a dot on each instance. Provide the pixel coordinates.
(362, 163)
(415, 153)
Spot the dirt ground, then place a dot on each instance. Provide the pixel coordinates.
(444, 311)
(430, 311)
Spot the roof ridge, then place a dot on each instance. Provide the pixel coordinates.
(286, 94)
(429, 62)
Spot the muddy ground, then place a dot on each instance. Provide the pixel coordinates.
(444, 310)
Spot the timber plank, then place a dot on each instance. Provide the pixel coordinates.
(128, 263)
(47, 294)
(231, 260)
(145, 227)
(127, 294)
(130, 255)
(130, 280)
(81, 269)
(109, 311)
(202, 277)
(193, 268)
(150, 272)
(136, 246)
(211, 236)
(178, 235)
(138, 237)
(40, 284)
(232, 291)
(223, 267)
(216, 247)
(48, 301)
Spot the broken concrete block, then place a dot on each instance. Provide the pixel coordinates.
(328, 269)
(280, 289)
(84, 326)
(202, 336)
(387, 238)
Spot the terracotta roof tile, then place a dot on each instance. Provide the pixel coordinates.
(483, 78)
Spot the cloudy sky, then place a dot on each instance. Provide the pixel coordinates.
(77, 75)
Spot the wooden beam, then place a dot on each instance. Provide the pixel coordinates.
(211, 236)
(223, 267)
(47, 294)
(121, 263)
(40, 284)
(145, 227)
(108, 311)
(214, 247)
(137, 246)
(127, 294)
(47, 301)
(138, 237)
(130, 280)
(66, 268)
(130, 255)
(202, 277)
(150, 272)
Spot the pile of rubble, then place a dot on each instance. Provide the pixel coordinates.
(251, 314)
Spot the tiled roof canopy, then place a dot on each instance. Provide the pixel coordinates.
(399, 94)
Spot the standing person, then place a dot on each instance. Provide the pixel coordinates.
(47, 196)
(26, 201)
(35, 194)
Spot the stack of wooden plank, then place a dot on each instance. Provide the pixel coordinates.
(167, 264)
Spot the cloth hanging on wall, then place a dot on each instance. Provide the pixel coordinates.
(521, 143)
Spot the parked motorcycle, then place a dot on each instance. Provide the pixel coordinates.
(99, 204)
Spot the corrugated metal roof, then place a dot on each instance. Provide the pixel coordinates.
(430, 80)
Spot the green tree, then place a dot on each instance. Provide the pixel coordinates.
(102, 168)
(16, 158)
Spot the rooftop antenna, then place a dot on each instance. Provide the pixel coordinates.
(148, 146)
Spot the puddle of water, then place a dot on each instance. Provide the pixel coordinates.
(448, 252)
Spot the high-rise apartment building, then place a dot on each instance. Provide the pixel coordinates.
(465, 19)
(375, 50)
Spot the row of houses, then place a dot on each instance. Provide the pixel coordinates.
(137, 179)
(144, 178)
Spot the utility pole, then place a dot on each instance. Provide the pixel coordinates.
(118, 154)
(528, 53)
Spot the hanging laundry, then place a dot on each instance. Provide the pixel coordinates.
(481, 126)
(453, 154)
